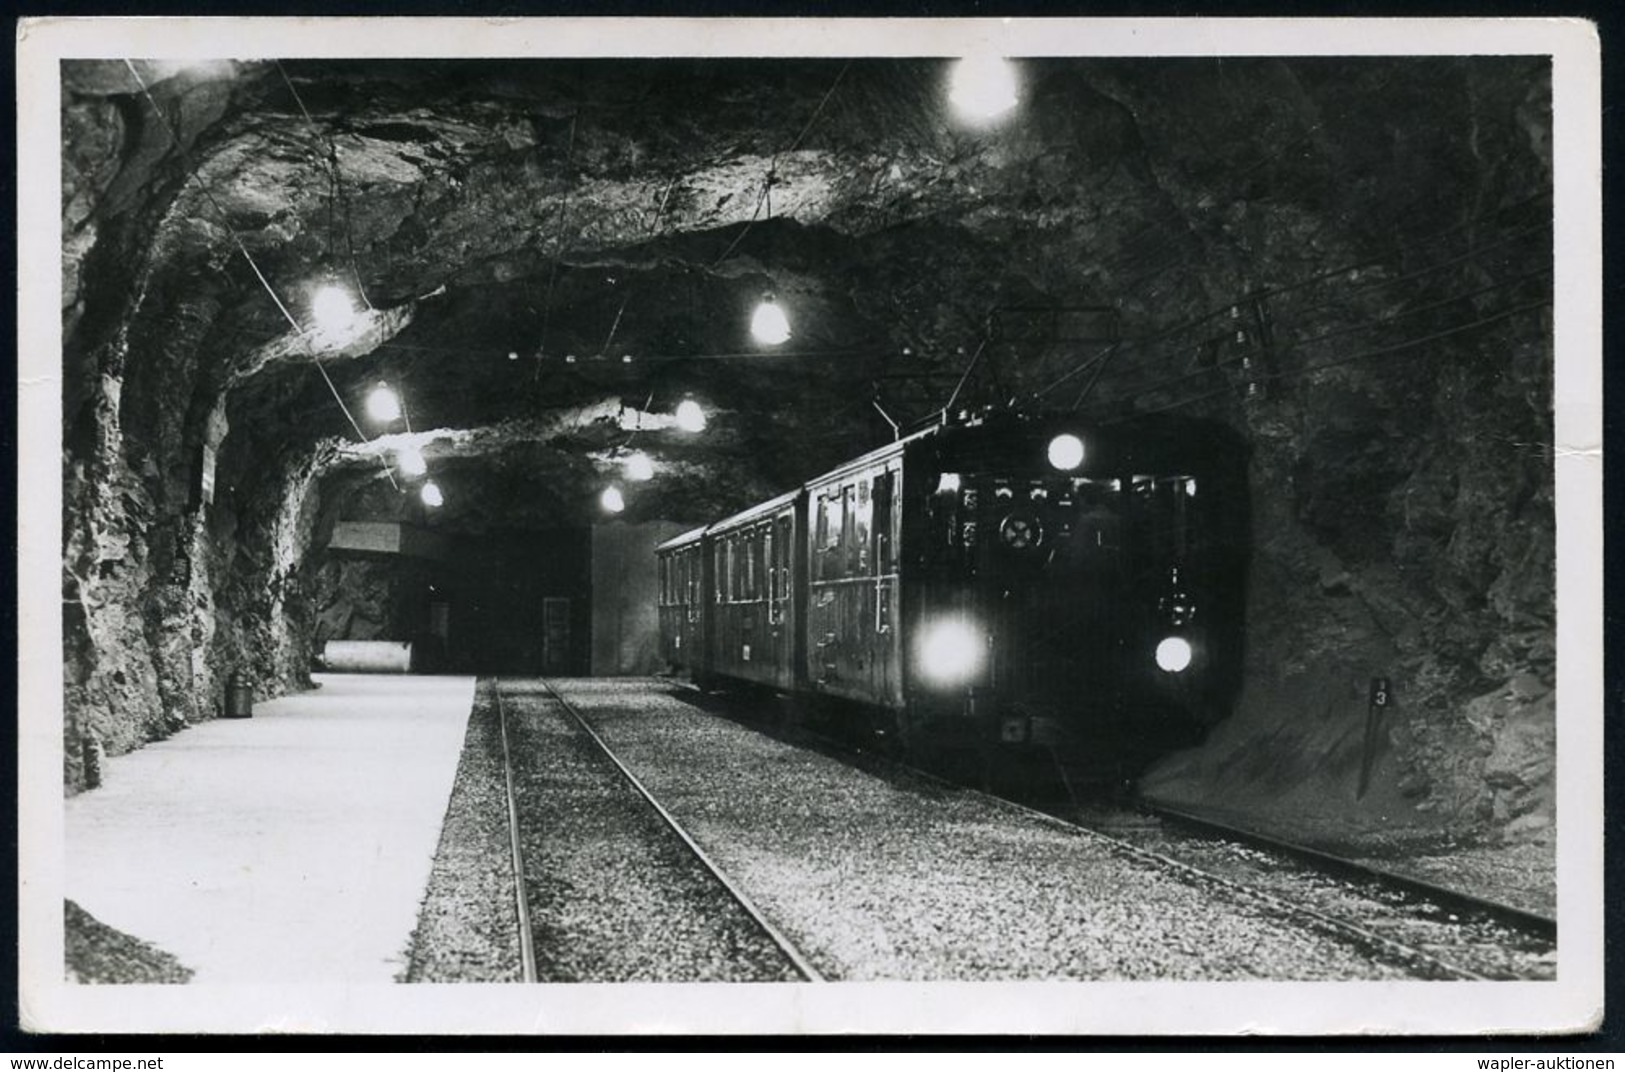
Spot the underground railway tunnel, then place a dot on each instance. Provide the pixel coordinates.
(1345, 262)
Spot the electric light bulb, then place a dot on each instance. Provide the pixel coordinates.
(333, 309)
(431, 494)
(769, 325)
(639, 467)
(612, 500)
(1174, 654)
(1066, 452)
(383, 404)
(983, 87)
(690, 417)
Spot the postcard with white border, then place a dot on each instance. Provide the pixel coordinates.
(808, 526)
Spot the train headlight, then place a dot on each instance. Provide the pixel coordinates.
(950, 653)
(1066, 452)
(1174, 654)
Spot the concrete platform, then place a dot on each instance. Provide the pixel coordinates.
(290, 847)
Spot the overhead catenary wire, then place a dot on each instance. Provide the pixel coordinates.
(1364, 355)
(225, 221)
(740, 355)
(964, 377)
(1076, 370)
(1089, 387)
(1138, 390)
(1510, 238)
(1352, 266)
(649, 234)
(558, 249)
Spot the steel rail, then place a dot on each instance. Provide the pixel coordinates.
(1510, 915)
(791, 953)
(527, 940)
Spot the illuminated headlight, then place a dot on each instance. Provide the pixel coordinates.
(950, 653)
(1066, 452)
(1174, 654)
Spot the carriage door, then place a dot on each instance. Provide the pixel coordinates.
(888, 682)
(555, 635)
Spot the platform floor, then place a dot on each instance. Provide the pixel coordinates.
(294, 846)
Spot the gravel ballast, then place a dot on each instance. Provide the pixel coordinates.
(878, 875)
(468, 929)
(614, 894)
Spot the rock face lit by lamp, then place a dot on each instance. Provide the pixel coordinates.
(983, 88)
(769, 326)
(690, 417)
(639, 467)
(410, 459)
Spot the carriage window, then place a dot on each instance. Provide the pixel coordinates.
(753, 565)
(736, 568)
(771, 565)
(832, 520)
(862, 518)
(848, 516)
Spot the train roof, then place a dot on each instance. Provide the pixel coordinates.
(762, 509)
(681, 539)
(880, 453)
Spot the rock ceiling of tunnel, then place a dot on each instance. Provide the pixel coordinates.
(556, 251)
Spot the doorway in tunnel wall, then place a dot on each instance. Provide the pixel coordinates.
(521, 603)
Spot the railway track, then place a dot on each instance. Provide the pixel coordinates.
(1435, 932)
(1455, 901)
(1426, 962)
(548, 903)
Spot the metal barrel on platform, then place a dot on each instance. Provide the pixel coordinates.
(239, 696)
(368, 656)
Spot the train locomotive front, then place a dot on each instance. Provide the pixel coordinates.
(1072, 587)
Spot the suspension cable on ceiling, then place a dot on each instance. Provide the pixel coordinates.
(772, 167)
(337, 194)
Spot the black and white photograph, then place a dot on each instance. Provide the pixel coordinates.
(970, 526)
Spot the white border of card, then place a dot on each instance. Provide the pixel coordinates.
(1572, 1002)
